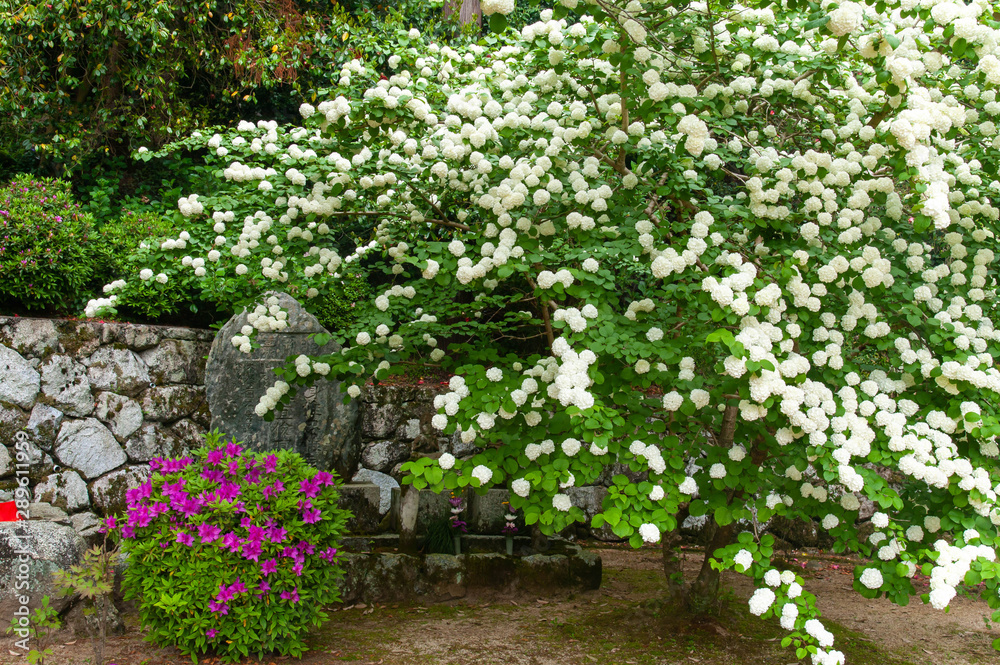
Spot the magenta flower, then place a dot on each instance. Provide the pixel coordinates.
(211, 633)
(209, 532)
(274, 490)
(215, 456)
(233, 449)
(324, 478)
(268, 567)
(309, 487)
(221, 608)
(185, 538)
(271, 463)
(292, 595)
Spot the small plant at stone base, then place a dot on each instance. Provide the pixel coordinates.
(231, 552)
(438, 539)
(39, 627)
(93, 580)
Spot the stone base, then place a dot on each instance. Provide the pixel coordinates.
(381, 576)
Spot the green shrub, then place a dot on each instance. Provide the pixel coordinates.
(120, 238)
(338, 310)
(46, 245)
(231, 552)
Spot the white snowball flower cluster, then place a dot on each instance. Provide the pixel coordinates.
(482, 473)
(270, 399)
(761, 601)
(490, 7)
(846, 19)
(650, 533)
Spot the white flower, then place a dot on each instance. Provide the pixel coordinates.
(656, 493)
(689, 486)
(446, 461)
(717, 470)
(650, 533)
(490, 7)
(880, 520)
(743, 558)
(872, 578)
(571, 446)
(562, 502)
(353, 391)
(772, 577)
(482, 473)
(761, 601)
(145, 274)
(520, 487)
(494, 374)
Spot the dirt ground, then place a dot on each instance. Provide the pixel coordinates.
(623, 622)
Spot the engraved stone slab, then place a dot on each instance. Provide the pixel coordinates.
(316, 423)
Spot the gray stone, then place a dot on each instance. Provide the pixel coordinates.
(6, 462)
(65, 490)
(80, 338)
(154, 440)
(385, 485)
(316, 423)
(88, 525)
(588, 499)
(461, 449)
(189, 434)
(117, 370)
(88, 447)
(43, 424)
(168, 403)
(177, 361)
(384, 455)
(65, 385)
(49, 547)
(379, 420)
(19, 382)
(44, 511)
(109, 491)
(12, 421)
(409, 430)
(488, 513)
(35, 337)
(121, 414)
(39, 463)
(362, 499)
(138, 338)
(430, 507)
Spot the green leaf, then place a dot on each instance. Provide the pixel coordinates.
(958, 48)
(723, 516)
(498, 23)
(817, 23)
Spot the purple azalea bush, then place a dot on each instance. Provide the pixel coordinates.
(231, 552)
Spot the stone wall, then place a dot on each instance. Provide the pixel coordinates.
(96, 401)
(93, 402)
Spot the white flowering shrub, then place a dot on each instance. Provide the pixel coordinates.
(807, 196)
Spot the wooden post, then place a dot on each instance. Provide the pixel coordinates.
(468, 11)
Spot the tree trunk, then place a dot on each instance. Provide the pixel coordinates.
(468, 11)
(705, 590)
(672, 562)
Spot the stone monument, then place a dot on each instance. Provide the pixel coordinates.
(316, 424)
